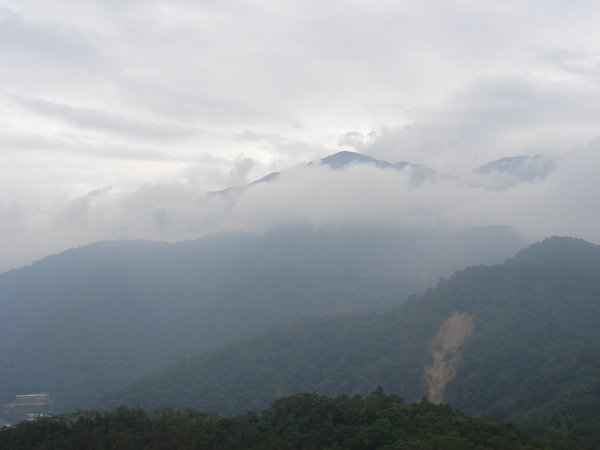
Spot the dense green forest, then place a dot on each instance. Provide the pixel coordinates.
(532, 357)
(92, 319)
(302, 421)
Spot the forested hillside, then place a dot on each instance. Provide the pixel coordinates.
(92, 319)
(526, 349)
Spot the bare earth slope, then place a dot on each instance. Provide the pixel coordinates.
(447, 354)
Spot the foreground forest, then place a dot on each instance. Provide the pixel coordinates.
(302, 421)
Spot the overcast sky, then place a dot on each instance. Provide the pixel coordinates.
(116, 116)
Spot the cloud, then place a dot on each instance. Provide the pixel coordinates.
(239, 173)
(563, 203)
(95, 119)
(491, 118)
(47, 45)
(368, 195)
(165, 101)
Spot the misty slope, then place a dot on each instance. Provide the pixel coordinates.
(93, 318)
(532, 353)
(518, 169)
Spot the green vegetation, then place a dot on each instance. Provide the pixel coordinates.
(302, 421)
(532, 359)
(93, 319)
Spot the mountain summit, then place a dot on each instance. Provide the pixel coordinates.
(514, 170)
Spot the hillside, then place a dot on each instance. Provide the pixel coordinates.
(92, 319)
(517, 341)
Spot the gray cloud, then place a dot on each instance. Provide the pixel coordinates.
(239, 173)
(30, 142)
(46, 44)
(491, 118)
(95, 119)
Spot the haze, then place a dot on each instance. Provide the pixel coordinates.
(117, 118)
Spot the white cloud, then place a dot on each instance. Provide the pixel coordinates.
(495, 117)
(563, 203)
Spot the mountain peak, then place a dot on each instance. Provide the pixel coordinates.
(523, 168)
(559, 249)
(342, 159)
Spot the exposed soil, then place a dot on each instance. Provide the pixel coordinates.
(446, 351)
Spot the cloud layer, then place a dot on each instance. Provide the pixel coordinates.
(360, 194)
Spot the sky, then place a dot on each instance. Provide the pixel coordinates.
(116, 117)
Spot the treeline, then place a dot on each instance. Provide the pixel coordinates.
(302, 421)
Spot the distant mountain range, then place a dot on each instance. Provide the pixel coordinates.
(92, 318)
(419, 174)
(515, 170)
(320, 308)
(114, 310)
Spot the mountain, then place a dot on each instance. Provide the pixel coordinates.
(501, 174)
(518, 341)
(508, 172)
(342, 159)
(91, 319)
(338, 161)
(418, 174)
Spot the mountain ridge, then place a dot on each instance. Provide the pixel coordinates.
(520, 168)
(527, 318)
(90, 318)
